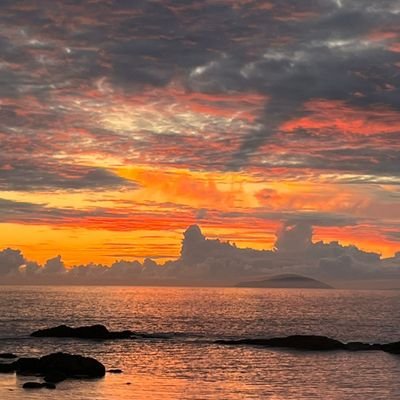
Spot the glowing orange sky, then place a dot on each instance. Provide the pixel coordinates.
(118, 133)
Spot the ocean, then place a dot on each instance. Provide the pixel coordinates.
(186, 363)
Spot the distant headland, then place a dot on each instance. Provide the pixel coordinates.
(286, 281)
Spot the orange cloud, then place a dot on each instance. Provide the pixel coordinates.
(338, 116)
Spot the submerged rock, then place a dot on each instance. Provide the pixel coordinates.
(83, 332)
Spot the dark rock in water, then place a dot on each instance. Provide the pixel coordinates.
(94, 331)
(115, 371)
(83, 332)
(32, 385)
(59, 366)
(55, 377)
(360, 346)
(8, 356)
(28, 366)
(317, 343)
(7, 368)
(49, 385)
(301, 342)
(72, 366)
(393, 348)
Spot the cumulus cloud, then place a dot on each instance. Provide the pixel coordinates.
(54, 266)
(10, 261)
(213, 262)
(294, 238)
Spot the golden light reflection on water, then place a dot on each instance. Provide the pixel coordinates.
(189, 365)
(213, 372)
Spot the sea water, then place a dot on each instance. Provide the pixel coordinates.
(186, 363)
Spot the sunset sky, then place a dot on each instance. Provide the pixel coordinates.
(124, 122)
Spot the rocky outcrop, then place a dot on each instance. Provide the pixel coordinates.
(7, 368)
(38, 385)
(313, 343)
(28, 366)
(95, 332)
(72, 366)
(55, 377)
(57, 367)
(99, 332)
(393, 348)
(32, 385)
(301, 342)
(8, 356)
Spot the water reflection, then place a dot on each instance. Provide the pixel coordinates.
(189, 366)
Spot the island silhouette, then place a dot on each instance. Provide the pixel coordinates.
(286, 281)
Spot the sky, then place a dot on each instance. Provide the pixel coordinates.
(122, 123)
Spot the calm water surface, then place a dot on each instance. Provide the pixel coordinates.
(187, 365)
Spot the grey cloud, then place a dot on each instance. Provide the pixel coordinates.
(316, 218)
(31, 177)
(294, 237)
(54, 266)
(28, 213)
(210, 47)
(10, 261)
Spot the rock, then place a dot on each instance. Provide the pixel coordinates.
(115, 371)
(94, 331)
(393, 348)
(83, 332)
(59, 366)
(55, 377)
(8, 356)
(28, 366)
(72, 366)
(360, 346)
(49, 385)
(301, 342)
(7, 368)
(32, 385)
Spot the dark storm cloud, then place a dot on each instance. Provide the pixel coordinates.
(31, 177)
